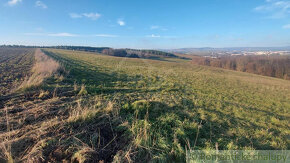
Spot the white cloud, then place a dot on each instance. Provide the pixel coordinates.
(121, 22)
(74, 15)
(13, 2)
(62, 35)
(52, 34)
(153, 27)
(154, 36)
(105, 35)
(40, 4)
(287, 26)
(163, 37)
(93, 16)
(276, 8)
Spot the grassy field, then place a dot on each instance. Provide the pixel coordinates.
(98, 107)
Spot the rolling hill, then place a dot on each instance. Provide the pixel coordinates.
(94, 107)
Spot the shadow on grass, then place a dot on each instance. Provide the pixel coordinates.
(95, 81)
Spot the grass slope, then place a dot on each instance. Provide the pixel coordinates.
(170, 105)
(128, 109)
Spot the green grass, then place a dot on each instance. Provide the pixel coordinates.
(98, 107)
(168, 106)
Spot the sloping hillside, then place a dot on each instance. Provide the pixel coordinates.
(275, 66)
(98, 107)
(130, 53)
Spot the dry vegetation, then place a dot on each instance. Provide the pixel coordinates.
(42, 69)
(23, 109)
(103, 108)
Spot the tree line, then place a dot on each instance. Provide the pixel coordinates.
(131, 53)
(275, 66)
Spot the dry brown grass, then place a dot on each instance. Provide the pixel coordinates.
(81, 112)
(25, 121)
(5, 146)
(43, 68)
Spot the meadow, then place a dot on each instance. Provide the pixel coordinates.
(116, 109)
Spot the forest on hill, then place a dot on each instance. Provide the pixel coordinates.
(130, 53)
(273, 66)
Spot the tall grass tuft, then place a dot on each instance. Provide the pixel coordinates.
(43, 68)
(5, 145)
(83, 90)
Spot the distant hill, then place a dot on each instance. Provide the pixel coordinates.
(274, 66)
(81, 48)
(134, 53)
(130, 53)
(209, 49)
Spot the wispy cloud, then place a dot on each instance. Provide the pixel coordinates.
(105, 35)
(276, 8)
(287, 26)
(93, 16)
(159, 36)
(64, 34)
(40, 4)
(154, 36)
(121, 22)
(52, 34)
(74, 15)
(158, 27)
(13, 2)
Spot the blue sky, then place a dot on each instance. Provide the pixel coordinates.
(146, 23)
